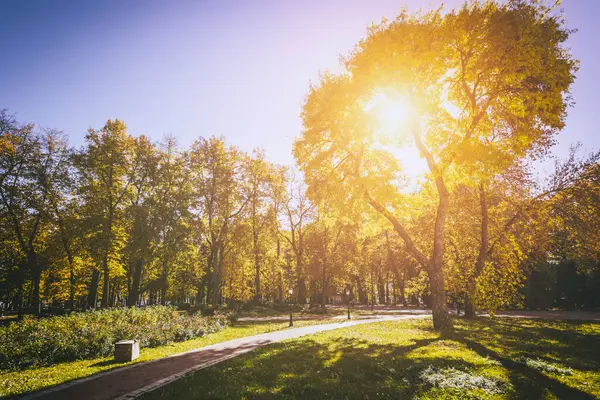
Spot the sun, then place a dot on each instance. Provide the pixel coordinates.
(391, 112)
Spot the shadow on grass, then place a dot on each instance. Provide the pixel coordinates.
(556, 341)
(528, 382)
(106, 363)
(375, 365)
(306, 369)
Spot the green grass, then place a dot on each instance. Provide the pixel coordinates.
(269, 312)
(481, 359)
(33, 379)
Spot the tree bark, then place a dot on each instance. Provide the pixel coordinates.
(256, 250)
(35, 280)
(105, 282)
(256, 278)
(93, 292)
(324, 286)
(439, 307)
(481, 256)
(134, 291)
(164, 284)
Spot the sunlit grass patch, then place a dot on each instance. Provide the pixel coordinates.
(456, 379)
(545, 366)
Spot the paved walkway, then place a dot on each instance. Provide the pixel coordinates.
(130, 382)
(553, 315)
(377, 314)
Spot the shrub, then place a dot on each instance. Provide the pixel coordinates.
(45, 341)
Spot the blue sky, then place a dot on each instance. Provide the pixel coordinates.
(191, 68)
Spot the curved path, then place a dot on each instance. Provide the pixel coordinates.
(552, 315)
(132, 381)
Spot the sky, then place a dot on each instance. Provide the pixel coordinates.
(191, 68)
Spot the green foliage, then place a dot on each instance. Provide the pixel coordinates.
(45, 341)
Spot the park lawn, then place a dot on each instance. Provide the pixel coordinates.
(33, 379)
(266, 312)
(480, 359)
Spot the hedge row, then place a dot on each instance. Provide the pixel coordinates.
(45, 341)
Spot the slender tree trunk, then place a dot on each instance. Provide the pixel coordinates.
(256, 252)
(481, 257)
(93, 292)
(438, 299)
(372, 289)
(401, 286)
(387, 289)
(112, 299)
(280, 287)
(301, 283)
(67, 248)
(362, 297)
(324, 285)
(256, 278)
(217, 275)
(134, 291)
(19, 299)
(164, 284)
(200, 291)
(105, 282)
(71, 287)
(381, 291)
(439, 307)
(35, 280)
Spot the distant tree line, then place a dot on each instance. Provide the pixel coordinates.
(124, 221)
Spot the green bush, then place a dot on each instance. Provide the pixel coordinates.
(45, 341)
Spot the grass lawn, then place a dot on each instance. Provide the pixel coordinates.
(481, 359)
(28, 380)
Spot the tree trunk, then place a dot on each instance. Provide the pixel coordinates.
(481, 256)
(256, 251)
(381, 292)
(200, 291)
(164, 284)
(372, 290)
(35, 280)
(387, 289)
(105, 282)
(469, 306)
(301, 283)
(217, 275)
(134, 291)
(324, 286)
(362, 298)
(112, 299)
(19, 296)
(439, 308)
(93, 292)
(402, 292)
(71, 287)
(256, 278)
(313, 291)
